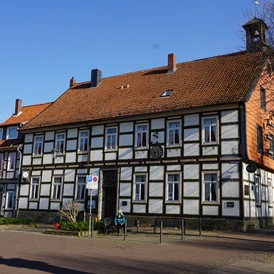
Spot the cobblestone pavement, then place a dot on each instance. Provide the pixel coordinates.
(27, 250)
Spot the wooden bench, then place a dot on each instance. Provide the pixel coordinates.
(167, 223)
(109, 225)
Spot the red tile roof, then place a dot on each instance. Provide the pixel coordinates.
(217, 80)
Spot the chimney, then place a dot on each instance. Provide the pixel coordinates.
(18, 106)
(171, 63)
(72, 82)
(96, 78)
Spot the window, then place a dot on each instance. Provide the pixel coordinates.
(57, 186)
(1, 162)
(141, 136)
(11, 133)
(60, 142)
(210, 130)
(174, 129)
(263, 99)
(140, 187)
(111, 138)
(257, 190)
(83, 141)
(173, 187)
(12, 161)
(34, 188)
(271, 143)
(1, 134)
(10, 200)
(260, 139)
(81, 188)
(38, 141)
(167, 93)
(210, 187)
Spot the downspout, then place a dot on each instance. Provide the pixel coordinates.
(16, 208)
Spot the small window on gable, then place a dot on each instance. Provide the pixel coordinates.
(167, 93)
(263, 99)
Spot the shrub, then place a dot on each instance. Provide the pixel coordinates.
(15, 221)
(80, 226)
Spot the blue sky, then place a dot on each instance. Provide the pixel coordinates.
(45, 43)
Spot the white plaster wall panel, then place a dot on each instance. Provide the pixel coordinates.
(33, 205)
(126, 127)
(191, 134)
(126, 173)
(263, 192)
(160, 139)
(82, 171)
(110, 156)
(125, 153)
(96, 155)
(230, 147)
(230, 171)
(252, 209)
(155, 206)
(210, 166)
(210, 210)
(191, 120)
(49, 135)
(191, 172)
(67, 200)
(47, 159)
(252, 191)
(246, 209)
(72, 133)
(191, 149)
(58, 171)
(230, 189)
(229, 116)
(191, 207)
(264, 209)
(10, 175)
(59, 159)
(82, 158)
(68, 189)
(24, 190)
(140, 168)
(69, 175)
(97, 130)
(141, 154)
(156, 190)
(36, 173)
(23, 203)
(210, 150)
(48, 147)
(173, 209)
(126, 140)
(125, 208)
(44, 203)
(45, 190)
(125, 189)
(156, 173)
(139, 208)
(191, 189)
(46, 175)
(95, 171)
(97, 142)
(71, 145)
(231, 211)
(54, 206)
(173, 167)
(37, 161)
(229, 131)
(28, 138)
(258, 212)
(158, 123)
(27, 148)
(70, 157)
(26, 160)
(175, 152)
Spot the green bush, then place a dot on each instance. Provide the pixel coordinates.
(80, 226)
(15, 221)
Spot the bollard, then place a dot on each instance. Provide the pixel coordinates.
(137, 224)
(92, 226)
(125, 231)
(200, 226)
(161, 232)
(183, 229)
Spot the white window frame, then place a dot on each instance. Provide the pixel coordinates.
(83, 141)
(171, 132)
(11, 157)
(170, 197)
(82, 188)
(56, 188)
(8, 137)
(1, 133)
(110, 146)
(60, 143)
(257, 185)
(210, 182)
(141, 186)
(139, 135)
(34, 188)
(38, 145)
(210, 130)
(10, 193)
(1, 161)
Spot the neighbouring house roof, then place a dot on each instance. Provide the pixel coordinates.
(206, 82)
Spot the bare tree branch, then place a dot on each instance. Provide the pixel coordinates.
(70, 211)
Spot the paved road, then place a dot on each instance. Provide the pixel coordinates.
(24, 251)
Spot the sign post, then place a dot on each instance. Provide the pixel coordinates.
(91, 183)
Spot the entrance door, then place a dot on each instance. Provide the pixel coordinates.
(109, 192)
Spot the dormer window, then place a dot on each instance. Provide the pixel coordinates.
(11, 133)
(1, 134)
(167, 93)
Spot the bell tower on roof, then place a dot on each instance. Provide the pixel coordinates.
(256, 35)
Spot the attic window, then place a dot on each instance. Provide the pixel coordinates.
(167, 93)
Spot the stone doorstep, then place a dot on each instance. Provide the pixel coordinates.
(69, 233)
